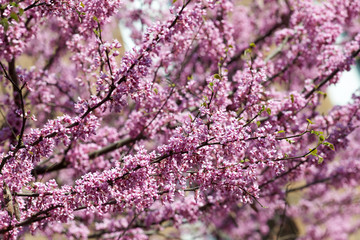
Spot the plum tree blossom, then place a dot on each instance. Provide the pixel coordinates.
(209, 126)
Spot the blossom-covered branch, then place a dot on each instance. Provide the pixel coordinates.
(210, 119)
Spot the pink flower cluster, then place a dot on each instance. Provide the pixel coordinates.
(209, 126)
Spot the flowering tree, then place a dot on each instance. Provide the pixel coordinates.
(211, 119)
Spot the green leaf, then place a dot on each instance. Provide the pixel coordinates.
(290, 141)
(217, 76)
(281, 131)
(14, 16)
(321, 159)
(5, 23)
(82, 4)
(262, 109)
(95, 19)
(322, 93)
(190, 117)
(313, 152)
(268, 110)
(321, 138)
(211, 86)
(292, 98)
(155, 90)
(21, 11)
(252, 45)
(258, 123)
(315, 132)
(247, 52)
(310, 122)
(96, 32)
(174, 1)
(330, 145)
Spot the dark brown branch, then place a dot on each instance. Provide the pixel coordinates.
(284, 69)
(33, 5)
(18, 98)
(283, 174)
(19, 102)
(259, 39)
(331, 76)
(309, 184)
(63, 164)
(34, 218)
(112, 147)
